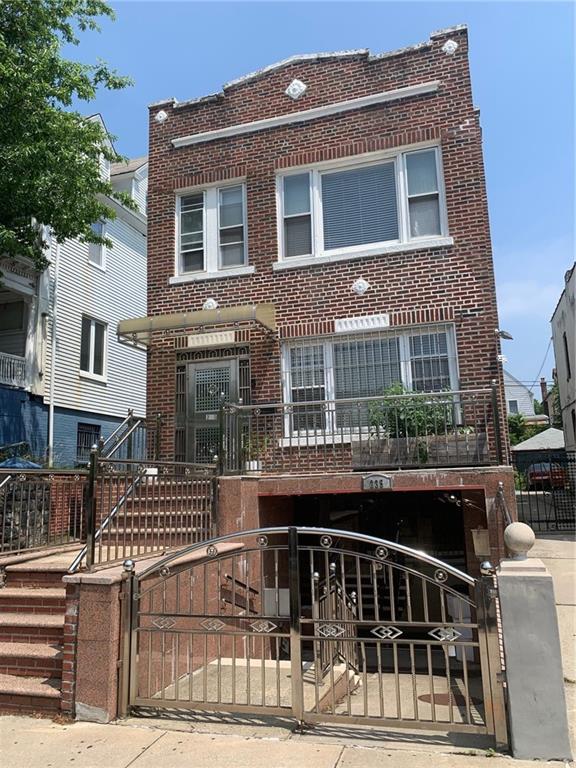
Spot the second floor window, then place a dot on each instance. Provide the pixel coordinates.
(359, 207)
(212, 230)
(96, 250)
(92, 346)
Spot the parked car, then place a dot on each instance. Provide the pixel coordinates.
(545, 475)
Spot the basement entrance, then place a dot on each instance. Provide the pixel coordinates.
(430, 521)
(316, 624)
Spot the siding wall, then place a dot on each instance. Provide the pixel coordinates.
(23, 418)
(109, 295)
(516, 391)
(66, 432)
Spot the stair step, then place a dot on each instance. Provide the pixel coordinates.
(31, 659)
(33, 599)
(31, 627)
(29, 694)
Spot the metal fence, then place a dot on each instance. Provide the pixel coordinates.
(136, 508)
(40, 508)
(546, 490)
(460, 428)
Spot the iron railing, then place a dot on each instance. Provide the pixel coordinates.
(135, 439)
(460, 428)
(135, 509)
(40, 508)
(546, 489)
(12, 370)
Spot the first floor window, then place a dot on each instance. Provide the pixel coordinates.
(86, 437)
(212, 230)
(341, 368)
(92, 346)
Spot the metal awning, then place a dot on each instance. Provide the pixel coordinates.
(140, 329)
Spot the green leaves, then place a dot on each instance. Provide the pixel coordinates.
(50, 156)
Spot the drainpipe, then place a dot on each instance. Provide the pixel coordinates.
(53, 360)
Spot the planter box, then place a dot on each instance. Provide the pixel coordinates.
(432, 450)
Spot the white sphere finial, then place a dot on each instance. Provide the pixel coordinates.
(519, 539)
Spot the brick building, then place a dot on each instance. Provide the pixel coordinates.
(319, 258)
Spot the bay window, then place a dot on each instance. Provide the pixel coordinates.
(360, 207)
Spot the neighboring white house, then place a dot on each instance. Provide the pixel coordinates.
(519, 399)
(58, 338)
(564, 339)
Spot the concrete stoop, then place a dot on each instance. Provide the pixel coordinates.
(32, 612)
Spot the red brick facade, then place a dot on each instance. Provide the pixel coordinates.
(451, 283)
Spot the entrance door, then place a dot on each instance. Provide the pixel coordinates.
(208, 384)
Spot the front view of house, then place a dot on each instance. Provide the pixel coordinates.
(322, 318)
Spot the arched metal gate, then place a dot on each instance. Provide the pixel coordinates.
(316, 624)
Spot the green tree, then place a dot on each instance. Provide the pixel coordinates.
(49, 153)
(520, 431)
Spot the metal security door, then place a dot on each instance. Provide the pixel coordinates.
(317, 624)
(209, 384)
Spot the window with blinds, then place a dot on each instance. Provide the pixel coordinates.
(366, 365)
(359, 206)
(327, 212)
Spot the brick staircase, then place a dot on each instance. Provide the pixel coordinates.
(32, 610)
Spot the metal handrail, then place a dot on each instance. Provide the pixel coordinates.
(137, 423)
(4, 481)
(358, 400)
(103, 525)
(118, 429)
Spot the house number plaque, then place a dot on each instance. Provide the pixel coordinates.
(376, 482)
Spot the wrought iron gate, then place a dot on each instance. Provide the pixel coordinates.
(315, 624)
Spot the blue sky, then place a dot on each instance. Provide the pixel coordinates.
(523, 81)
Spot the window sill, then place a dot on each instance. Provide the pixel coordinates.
(100, 267)
(416, 245)
(93, 377)
(196, 277)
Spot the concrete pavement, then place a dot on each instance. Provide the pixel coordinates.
(33, 743)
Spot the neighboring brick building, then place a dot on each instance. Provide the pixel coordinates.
(327, 219)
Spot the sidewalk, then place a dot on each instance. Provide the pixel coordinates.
(558, 552)
(204, 740)
(29, 743)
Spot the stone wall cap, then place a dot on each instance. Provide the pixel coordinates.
(530, 567)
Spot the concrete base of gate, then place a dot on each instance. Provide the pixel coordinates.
(225, 681)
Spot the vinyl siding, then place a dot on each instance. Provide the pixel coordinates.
(517, 391)
(109, 295)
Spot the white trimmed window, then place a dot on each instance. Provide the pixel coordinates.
(93, 347)
(344, 367)
(211, 230)
(361, 207)
(96, 251)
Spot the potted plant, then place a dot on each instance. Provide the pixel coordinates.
(411, 429)
(253, 449)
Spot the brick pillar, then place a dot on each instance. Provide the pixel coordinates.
(69, 647)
